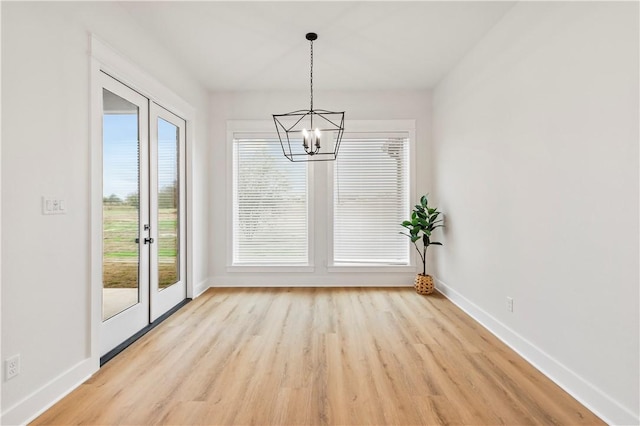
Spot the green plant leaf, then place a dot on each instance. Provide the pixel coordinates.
(406, 223)
(415, 238)
(436, 243)
(424, 201)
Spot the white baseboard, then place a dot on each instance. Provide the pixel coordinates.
(582, 390)
(42, 399)
(201, 287)
(275, 282)
(305, 285)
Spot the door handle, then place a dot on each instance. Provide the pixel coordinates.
(145, 241)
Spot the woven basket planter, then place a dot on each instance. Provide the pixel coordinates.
(424, 284)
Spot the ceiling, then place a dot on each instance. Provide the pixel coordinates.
(381, 45)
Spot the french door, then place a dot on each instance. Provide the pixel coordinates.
(143, 205)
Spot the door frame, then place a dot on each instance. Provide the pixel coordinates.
(104, 59)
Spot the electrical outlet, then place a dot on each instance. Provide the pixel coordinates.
(509, 304)
(12, 367)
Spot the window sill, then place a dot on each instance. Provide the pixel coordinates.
(353, 267)
(270, 268)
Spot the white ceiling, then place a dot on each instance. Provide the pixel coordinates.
(361, 45)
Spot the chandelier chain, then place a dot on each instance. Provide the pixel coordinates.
(311, 75)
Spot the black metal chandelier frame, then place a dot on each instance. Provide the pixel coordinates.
(289, 129)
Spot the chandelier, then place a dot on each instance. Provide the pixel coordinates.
(313, 134)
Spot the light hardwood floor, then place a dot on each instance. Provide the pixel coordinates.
(318, 356)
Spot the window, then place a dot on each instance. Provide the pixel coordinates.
(371, 199)
(356, 202)
(270, 204)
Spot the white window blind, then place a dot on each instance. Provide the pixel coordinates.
(270, 220)
(370, 200)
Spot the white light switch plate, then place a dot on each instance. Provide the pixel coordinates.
(53, 205)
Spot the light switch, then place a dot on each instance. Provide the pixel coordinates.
(52, 205)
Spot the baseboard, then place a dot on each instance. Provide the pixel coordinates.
(201, 287)
(332, 285)
(42, 399)
(277, 283)
(582, 390)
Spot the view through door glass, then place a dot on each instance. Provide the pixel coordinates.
(168, 205)
(120, 206)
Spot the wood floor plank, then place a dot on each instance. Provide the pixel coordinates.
(318, 356)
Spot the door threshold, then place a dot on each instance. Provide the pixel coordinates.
(124, 345)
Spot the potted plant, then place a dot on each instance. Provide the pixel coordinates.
(424, 220)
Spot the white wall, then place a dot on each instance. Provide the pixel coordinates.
(45, 134)
(536, 165)
(259, 106)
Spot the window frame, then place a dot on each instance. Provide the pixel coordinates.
(373, 127)
(320, 184)
(263, 129)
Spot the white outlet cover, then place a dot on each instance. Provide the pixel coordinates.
(12, 367)
(510, 304)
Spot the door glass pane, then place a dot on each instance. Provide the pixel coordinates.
(168, 202)
(120, 213)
